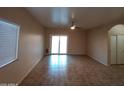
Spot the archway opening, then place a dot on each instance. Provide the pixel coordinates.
(116, 44)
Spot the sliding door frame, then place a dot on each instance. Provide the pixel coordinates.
(59, 45)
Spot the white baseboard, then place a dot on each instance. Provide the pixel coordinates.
(64, 54)
(29, 71)
(97, 60)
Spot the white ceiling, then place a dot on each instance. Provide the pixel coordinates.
(84, 17)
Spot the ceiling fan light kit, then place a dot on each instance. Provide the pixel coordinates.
(72, 27)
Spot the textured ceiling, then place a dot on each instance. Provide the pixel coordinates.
(84, 17)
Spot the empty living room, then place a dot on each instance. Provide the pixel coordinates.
(62, 46)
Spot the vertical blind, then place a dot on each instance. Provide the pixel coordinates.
(9, 37)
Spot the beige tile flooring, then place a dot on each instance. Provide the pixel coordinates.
(73, 71)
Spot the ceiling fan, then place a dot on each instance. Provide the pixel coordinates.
(73, 26)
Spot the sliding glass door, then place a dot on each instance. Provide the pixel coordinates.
(59, 45)
(63, 44)
(55, 44)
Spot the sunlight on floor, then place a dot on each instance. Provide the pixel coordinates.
(58, 60)
(57, 63)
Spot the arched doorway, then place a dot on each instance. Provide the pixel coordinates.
(116, 44)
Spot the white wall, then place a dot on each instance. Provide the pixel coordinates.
(97, 44)
(97, 39)
(31, 45)
(76, 40)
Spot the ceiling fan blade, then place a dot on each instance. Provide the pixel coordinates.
(78, 27)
